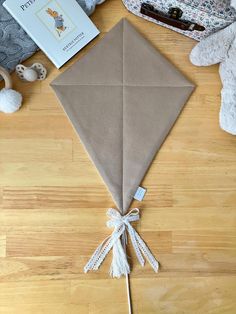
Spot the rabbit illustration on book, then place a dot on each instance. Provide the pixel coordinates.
(58, 19)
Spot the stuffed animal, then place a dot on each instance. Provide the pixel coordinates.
(221, 48)
(89, 5)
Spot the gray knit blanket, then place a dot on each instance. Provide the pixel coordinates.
(15, 44)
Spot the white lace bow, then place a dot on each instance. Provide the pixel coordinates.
(120, 265)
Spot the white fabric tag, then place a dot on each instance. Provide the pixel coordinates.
(140, 193)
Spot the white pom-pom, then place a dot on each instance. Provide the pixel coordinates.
(10, 100)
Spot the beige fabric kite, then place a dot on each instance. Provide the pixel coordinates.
(122, 98)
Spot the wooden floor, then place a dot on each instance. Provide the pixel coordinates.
(53, 203)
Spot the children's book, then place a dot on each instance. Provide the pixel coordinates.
(59, 27)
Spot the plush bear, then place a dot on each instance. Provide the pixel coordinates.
(221, 48)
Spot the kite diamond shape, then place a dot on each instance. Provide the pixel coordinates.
(122, 98)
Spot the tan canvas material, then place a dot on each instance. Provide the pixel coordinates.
(122, 98)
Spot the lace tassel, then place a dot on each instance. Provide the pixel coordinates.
(119, 265)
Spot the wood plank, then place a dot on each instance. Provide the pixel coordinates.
(54, 173)
(3, 245)
(68, 244)
(57, 292)
(35, 150)
(55, 197)
(190, 295)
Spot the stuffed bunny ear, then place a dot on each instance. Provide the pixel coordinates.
(212, 49)
(233, 4)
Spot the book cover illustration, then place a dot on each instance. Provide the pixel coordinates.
(55, 19)
(59, 27)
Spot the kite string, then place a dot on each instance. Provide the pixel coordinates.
(120, 265)
(128, 289)
(128, 294)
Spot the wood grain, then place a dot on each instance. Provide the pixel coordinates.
(53, 202)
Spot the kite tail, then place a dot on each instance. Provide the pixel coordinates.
(119, 265)
(117, 242)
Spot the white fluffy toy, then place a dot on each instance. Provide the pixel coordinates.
(221, 48)
(10, 100)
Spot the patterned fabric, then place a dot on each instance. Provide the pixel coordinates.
(15, 44)
(212, 14)
(220, 8)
